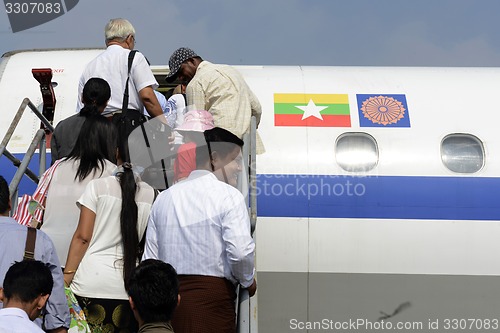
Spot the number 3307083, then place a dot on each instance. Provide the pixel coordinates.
(32, 8)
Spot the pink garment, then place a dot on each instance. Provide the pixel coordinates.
(185, 161)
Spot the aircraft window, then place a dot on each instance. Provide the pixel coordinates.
(356, 152)
(462, 153)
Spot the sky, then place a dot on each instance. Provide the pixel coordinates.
(285, 32)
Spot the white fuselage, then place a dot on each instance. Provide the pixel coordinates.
(349, 245)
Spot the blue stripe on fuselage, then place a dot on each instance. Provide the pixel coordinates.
(384, 197)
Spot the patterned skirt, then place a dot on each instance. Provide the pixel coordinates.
(108, 315)
(207, 305)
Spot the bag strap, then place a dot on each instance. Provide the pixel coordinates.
(131, 56)
(142, 242)
(29, 249)
(44, 182)
(41, 192)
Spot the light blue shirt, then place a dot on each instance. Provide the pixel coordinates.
(12, 245)
(14, 320)
(162, 100)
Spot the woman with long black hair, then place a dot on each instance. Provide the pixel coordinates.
(105, 247)
(95, 97)
(93, 156)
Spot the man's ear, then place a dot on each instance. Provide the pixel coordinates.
(1, 295)
(132, 304)
(191, 62)
(214, 160)
(41, 301)
(178, 299)
(214, 156)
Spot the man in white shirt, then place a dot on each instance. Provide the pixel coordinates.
(202, 228)
(26, 289)
(112, 66)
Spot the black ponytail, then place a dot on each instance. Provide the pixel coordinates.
(128, 215)
(89, 110)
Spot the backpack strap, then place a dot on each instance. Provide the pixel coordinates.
(29, 249)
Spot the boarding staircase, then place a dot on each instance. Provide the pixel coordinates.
(46, 115)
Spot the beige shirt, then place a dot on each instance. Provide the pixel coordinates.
(221, 90)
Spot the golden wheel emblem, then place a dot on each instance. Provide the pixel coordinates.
(383, 110)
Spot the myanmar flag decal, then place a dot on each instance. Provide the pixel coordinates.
(313, 110)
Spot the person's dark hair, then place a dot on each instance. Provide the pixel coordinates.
(4, 196)
(217, 139)
(128, 221)
(95, 95)
(96, 143)
(128, 214)
(154, 288)
(26, 280)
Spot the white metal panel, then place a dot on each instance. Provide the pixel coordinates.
(441, 101)
(282, 244)
(404, 246)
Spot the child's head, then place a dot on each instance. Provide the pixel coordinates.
(28, 283)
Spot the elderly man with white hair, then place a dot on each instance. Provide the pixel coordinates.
(112, 66)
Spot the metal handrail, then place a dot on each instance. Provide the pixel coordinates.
(37, 142)
(246, 322)
(25, 162)
(253, 174)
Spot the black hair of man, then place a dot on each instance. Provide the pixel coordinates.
(154, 289)
(4, 196)
(218, 139)
(26, 280)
